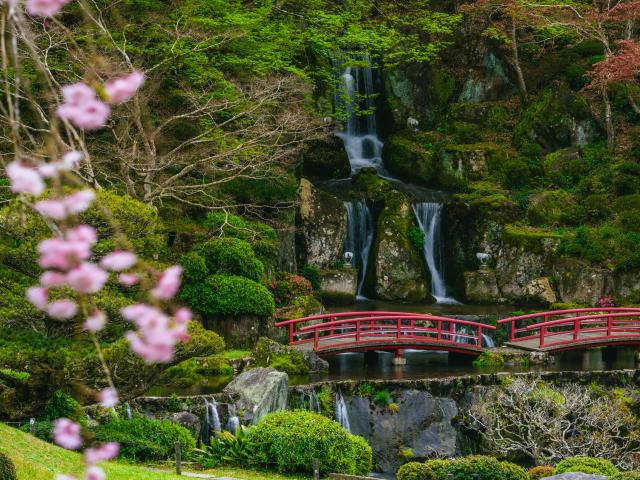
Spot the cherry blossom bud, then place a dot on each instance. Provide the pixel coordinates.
(80, 201)
(45, 8)
(95, 322)
(38, 297)
(182, 316)
(62, 309)
(52, 209)
(168, 283)
(119, 260)
(83, 233)
(106, 451)
(108, 398)
(87, 278)
(53, 279)
(119, 90)
(67, 434)
(24, 179)
(95, 473)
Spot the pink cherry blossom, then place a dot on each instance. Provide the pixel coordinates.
(44, 8)
(155, 349)
(60, 476)
(95, 322)
(108, 397)
(95, 473)
(78, 93)
(119, 90)
(87, 278)
(168, 283)
(83, 233)
(119, 260)
(53, 279)
(67, 434)
(62, 254)
(52, 209)
(106, 451)
(82, 108)
(67, 162)
(128, 279)
(79, 201)
(38, 297)
(62, 309)
(182, 316)
(24, 179)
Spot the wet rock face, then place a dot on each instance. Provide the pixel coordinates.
(482, 287)
(259, 392)
(322, 223)
(423, 423)
(339, 287)
(399, 268)
(581, 282)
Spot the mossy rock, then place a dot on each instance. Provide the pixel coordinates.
(474, 161)
(409, 158)
(370, 185)
(491, 201)
(326, 158)
(564, 167)
(269, 353)
(554, 208)
(530, 239)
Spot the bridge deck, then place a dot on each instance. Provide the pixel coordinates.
(566, 341)
(333, 345)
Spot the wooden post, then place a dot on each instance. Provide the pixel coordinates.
(316, 469)
(32, 426)
(178, 458)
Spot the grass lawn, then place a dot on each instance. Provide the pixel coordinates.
(235, 354)
(38, 460)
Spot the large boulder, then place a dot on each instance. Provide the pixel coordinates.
(580, 282)
(322, 223)
(540, 291)
(258, 392)
(482, 287)
(326, 158)
(339, 287)
(399, 267)
(576, 476)
(410, 157)
(488, 81)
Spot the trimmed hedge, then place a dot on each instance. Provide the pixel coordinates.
(143, 439)
(626, 476)
(291, 440)
(7, 470)
(228, 295)
(596, 466)
(231, 256)
(415, 471)
(542, 471)
(488, 468)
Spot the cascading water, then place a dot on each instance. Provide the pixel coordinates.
(360, 133)
(234, 422)
(465, 336)
(211, 423)
(429, 217)
(127, 409)
(359, 238)
(342, 415)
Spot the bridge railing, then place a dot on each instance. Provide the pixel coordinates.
(373, 327)
(572, 326)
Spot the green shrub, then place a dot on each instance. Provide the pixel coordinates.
(416, 236)
(231, 256)
(515, 173)
(43, 430)
(382, 398)
(63, 405)
(144, 439)
(439, 468)
(7, 470)
(293, 363)
(365, 390)
(287, 286)
(229, 295)
(415, 471)
(511, 471)
(596, 466)
(542, 471)
(195, 267)
(293, 439)
(487, 468)
(312, 274)
(363, 455)
(626, 476)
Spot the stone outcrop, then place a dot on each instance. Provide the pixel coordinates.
(540, 291)
(339, 287)
(482, 287)
(322, 223)
(326, 158)
(581, 282)
(399, 268)
(259, 392)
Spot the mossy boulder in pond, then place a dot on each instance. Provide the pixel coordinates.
(322, 222)
(399, 268)
(326, 158)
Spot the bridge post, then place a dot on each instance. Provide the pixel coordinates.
(398, 358)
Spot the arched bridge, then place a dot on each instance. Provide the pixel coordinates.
(359, 331)
(580, 328)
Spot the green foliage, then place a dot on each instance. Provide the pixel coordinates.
(286, 287)
(293, 439)
(195, 267)
(227, 449)
(564, 167)
(489, 359)
(231, 256)
(604, 245)
(487, 468)
(312, 274)
(173, 403)
(7, 470)
(555, 207)
(536, 473)
(596, 466)
(327, 402)
(144, 439)
(439, 468)
(43, 431)
(626, 476)
(382, 398)
(15, 374)
(415, 471)
(416, 237)
(229, 295)
(292, 363)
(365, 390)
(62, 405)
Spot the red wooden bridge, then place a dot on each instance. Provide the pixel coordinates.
(359, 331)
(580, 328)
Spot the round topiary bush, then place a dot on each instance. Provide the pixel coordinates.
(291, 440)
(511, 471)
(542, 471)
(415, 471)
(439, 467)
(228, 295)
(596, 466)
(7, 470)
(195, 267)
(231, 256)
(487, 468)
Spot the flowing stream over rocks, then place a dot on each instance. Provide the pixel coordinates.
(360, 231)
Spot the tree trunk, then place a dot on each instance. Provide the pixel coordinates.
(516, 61)
(608, 115)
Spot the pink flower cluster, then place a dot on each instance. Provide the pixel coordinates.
(45, 8)
(84, 109)
(66, 433)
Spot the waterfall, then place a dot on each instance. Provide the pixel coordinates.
(234, 422)
(127, 409)
(360, 229)
(429, 216)
(487, 341)
(360, 133)
(211, 420)
(342, 415)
